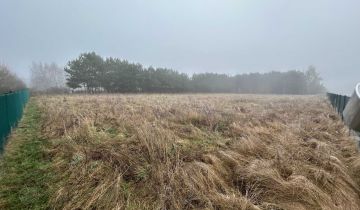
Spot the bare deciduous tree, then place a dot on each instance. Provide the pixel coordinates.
(9, 81)
(46, 77)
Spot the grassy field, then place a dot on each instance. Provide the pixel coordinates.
(191, 152)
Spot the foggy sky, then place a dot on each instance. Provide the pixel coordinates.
(225, 36)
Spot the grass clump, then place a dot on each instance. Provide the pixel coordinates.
(24, 168)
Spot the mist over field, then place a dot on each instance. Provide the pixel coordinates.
(179, 105)
(229, 37)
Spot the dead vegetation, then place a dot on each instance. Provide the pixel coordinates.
(199, 152)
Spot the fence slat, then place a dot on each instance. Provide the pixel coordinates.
(338, 102)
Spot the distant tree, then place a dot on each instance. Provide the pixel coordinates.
(273, 82)
(9, 81)
(164, 80)
(121, 76)
(313, 80)
(46, 77)
(87, 71)
(294, 82)
(148, 81)
(213, 83)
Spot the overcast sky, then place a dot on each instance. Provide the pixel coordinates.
(225, 36)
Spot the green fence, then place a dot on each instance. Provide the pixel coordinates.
(338, 101)
(11, 109)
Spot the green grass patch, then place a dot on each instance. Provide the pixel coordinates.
(24, 168)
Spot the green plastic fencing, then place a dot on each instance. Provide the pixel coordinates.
(11, 110)
(338, 102)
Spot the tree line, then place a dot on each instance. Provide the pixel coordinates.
(92, 73)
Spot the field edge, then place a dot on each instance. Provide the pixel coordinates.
(25, 173)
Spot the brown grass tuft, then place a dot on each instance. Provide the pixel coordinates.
(200, 152)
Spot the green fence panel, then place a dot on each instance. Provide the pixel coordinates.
(338, 101)
(11, 110)
(4, 122)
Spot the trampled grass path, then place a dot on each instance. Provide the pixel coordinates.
(24, 174)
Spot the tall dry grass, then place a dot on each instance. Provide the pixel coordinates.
(199, 152)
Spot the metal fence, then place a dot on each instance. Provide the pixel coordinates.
(338, 102)
(11, 110)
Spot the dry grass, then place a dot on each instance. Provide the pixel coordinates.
(199, 152)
